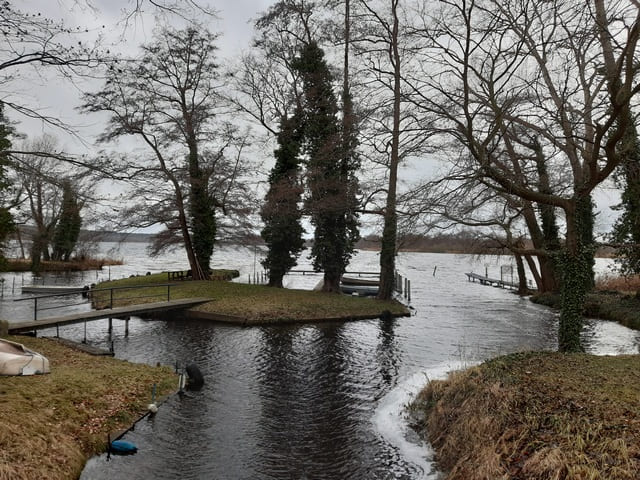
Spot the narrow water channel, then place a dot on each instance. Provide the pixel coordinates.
(324, 401)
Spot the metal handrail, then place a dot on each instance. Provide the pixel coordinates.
(91, 291)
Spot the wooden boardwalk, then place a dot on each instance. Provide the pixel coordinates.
(494, 282)
(117, 312)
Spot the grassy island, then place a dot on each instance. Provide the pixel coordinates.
(252, 304)
(76, 265)
(536, 416)
(51, 424)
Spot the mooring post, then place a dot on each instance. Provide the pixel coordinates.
(409, 291)
(35, 308)
(110, 326)
(126, 327)
(85, 333)
(57, 331)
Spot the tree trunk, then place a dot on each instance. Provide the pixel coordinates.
(390, 230)
(523, 289)
(331, 282)
(534, 271)
(577, 262)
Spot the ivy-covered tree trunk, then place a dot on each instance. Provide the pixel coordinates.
(282, 213)
(627, 229)
(6, 220)
(39, 244)
(576, 262)
(203, 220)
(549, 225)
(203, 223)
(390, 229)
(67, 229)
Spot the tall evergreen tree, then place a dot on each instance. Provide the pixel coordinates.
(68, 227)
(6, 220)
(330, 173)
(282, 211)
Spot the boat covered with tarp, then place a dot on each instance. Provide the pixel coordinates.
(16, 359)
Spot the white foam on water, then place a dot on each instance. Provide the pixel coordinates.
(391, 418)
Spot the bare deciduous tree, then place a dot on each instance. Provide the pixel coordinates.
(561, 71)
(169, 98)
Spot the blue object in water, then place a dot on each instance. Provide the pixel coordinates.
(122, 447)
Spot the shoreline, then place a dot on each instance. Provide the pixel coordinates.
(534, 415)
(66, 415)
(237, 320)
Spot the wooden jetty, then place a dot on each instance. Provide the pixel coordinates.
(494, 282)
(117, 312)
(53, 289)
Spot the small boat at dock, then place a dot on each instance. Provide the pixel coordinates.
(360, 281)
(363, 287)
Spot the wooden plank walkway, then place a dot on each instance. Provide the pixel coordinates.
(494, 282)
(117, 312)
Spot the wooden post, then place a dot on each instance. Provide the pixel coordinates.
(110, 326)
(85, 333)
(126, 327)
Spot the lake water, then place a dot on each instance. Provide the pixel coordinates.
(315, 401)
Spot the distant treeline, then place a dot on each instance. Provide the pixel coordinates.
(442, 243)
(26, 232)
(462, 242)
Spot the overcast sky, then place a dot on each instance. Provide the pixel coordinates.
(58, 97)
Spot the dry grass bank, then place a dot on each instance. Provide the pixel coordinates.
(51, 424)
(613, 298)
(627, 285)
(536, 416)
(256, 303)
